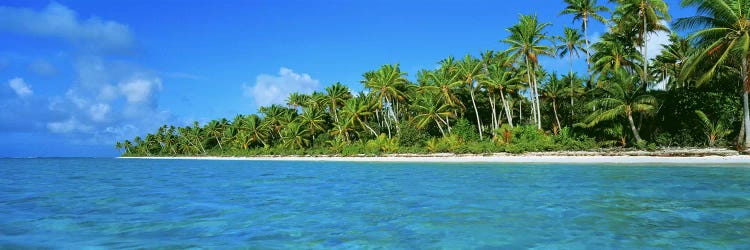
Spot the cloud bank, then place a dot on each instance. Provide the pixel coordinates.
(274, 89)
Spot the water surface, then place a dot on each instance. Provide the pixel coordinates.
(131, 203)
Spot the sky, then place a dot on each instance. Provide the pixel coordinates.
(76, 76)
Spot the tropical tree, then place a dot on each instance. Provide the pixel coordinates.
(430, 108)
(313, 120)
(585, 10)
(572, 45)
(525, 42)
(669, 64)
(643, 17)
(498, 81)
(354, 115)
(553, 90)
(722, 30)
(622, 96)
(614, 53)
(713, 130)
(387, 84)
(336, 95)
(295, 136)
(469, 71)
(296, 100)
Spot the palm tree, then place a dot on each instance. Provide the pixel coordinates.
(430, 108)
(525, 41)
(296, 100)
(646, 17)
(499, 79)
(470, 70)
(623, 95)
(387, 84)
(337, 94)
(669, 65)
(722, 30)
(613, 54)
(127, 145)
(552, 90)
(215, 129)
(118, 146)
(583, 10)
(572, 45)
(313, 119)
(295, 136)
(713, 130)
(354, 114)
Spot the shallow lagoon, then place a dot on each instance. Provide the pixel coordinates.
(132, 203)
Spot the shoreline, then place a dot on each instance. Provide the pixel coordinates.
(492, 158)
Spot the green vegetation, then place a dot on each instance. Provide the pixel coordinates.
(505, 101)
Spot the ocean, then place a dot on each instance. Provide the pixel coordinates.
(138, 203)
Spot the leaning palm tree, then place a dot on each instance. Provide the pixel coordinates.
(643, 17)
(572, 45)
(721, 29)
(525, 42)
(623, 95)
(583, 10)
(499, 80)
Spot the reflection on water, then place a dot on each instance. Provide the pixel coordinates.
(119, 203)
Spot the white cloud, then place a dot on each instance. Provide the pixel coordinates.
(274, 89)
(59, 21)
(20, 87)
(68, 126)
(140, 90)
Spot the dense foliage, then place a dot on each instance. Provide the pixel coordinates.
(692, 94)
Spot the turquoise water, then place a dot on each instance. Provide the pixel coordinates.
(128, 203)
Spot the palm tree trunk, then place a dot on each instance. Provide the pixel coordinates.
(507, 109)
(746, 117)
(745, 108)
(440, 127)
(536, 97)
(570, 75)
(586, 38)
(476, 112)
(494, 114)
(633, 128)
(554, 108)
(645, 45)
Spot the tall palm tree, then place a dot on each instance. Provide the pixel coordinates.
(643, 16)
(127, 145)
(572, 45)
(623, 95)
(387, 84)
(337, 94)
(500, 79)
(584, 10)
(470, 71)
(722, 31)
(525, 42)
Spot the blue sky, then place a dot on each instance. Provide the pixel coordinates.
(76, 76)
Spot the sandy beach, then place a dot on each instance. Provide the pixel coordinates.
(529, 158)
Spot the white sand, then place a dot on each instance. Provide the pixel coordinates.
(736, 159)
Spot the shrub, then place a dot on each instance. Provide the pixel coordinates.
(410, 137)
